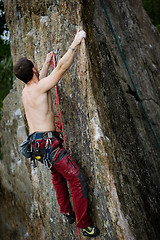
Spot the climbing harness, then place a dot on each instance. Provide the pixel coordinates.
(30, 148)
(128, 71)
(59, 122)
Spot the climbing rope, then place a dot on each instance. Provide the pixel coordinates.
(126, 66)
(59, 121)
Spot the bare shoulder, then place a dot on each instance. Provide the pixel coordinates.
(29, 93)
(23, 93)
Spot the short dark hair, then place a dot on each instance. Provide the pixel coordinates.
(23, 69)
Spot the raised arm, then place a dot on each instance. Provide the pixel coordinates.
(44, 71)
(64, 63)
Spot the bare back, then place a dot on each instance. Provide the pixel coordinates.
(38, 108)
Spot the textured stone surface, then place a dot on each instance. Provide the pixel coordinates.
(106, 130)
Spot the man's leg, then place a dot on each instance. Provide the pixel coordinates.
(65, 165)
(61, 189)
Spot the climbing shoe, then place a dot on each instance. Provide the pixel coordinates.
(91, 231)
(70, 217)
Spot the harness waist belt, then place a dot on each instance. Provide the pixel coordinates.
(43, 135)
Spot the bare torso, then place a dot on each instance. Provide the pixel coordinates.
(38, 108)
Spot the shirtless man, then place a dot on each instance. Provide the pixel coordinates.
(46, 143)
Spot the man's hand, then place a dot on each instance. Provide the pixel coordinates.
(44, 72)
(49, 58)
(78, 38)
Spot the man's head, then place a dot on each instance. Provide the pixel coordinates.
(23, 69)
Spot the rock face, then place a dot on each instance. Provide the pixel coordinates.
(106, 130)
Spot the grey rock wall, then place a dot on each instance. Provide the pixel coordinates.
(106, 130)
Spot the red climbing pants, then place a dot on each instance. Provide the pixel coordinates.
(64, 168)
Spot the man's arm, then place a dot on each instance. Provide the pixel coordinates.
(65, 62)
(44, 71)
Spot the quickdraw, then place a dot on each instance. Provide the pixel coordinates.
(46, 161)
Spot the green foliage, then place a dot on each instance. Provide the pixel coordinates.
(3, 25)
(6, 71)
(152, 7)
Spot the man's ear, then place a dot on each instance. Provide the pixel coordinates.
(34, 70)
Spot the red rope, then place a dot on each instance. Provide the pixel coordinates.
(59, 114)
(59, 121)
(79, 233)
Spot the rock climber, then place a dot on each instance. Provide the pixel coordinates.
(46, 143)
